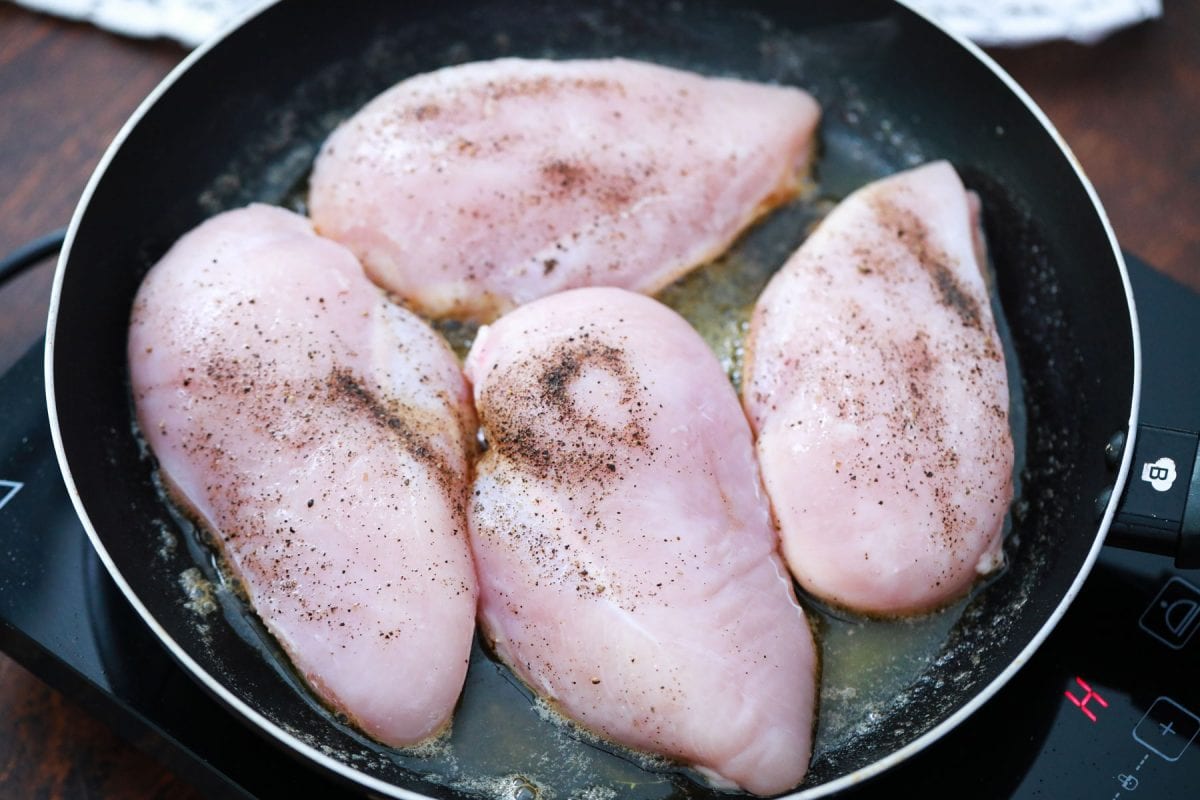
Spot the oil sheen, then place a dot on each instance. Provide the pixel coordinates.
(507, 743)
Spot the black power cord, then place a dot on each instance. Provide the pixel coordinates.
(30, 253)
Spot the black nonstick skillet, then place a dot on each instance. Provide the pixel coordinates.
(241, 120)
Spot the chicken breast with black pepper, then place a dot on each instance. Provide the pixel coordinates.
(475, 188)
(876, 383)
(320, 434)
(628, 567)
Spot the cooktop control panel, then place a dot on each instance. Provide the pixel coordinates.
(1131, 717)
(1108, 708)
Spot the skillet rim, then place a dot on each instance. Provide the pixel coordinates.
(347, 772)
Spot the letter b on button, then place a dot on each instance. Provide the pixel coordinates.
(1160, 474)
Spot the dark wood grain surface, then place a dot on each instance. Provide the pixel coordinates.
(1129, 107)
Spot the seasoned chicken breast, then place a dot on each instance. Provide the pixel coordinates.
(321, 435)
(476, 188)
(876, 384)
(627, 563)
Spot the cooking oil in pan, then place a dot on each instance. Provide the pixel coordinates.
(507, 743)
(719, 298)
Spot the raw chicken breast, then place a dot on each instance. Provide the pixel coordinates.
(628, 570)
(476, 188)
(321, 435)
(876, 384)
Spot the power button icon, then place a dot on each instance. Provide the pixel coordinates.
(1174, 614)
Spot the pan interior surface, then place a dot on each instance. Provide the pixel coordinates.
(198, 151)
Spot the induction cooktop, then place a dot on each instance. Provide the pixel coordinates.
(1109, 707)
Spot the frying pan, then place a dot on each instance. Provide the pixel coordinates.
(241, 120)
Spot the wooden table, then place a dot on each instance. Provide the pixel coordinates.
(1130, 107)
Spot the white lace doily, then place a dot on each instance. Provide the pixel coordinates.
(989, 22)
(1013, 22)
(186, 21)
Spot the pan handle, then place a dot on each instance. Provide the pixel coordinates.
(1160, 509)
